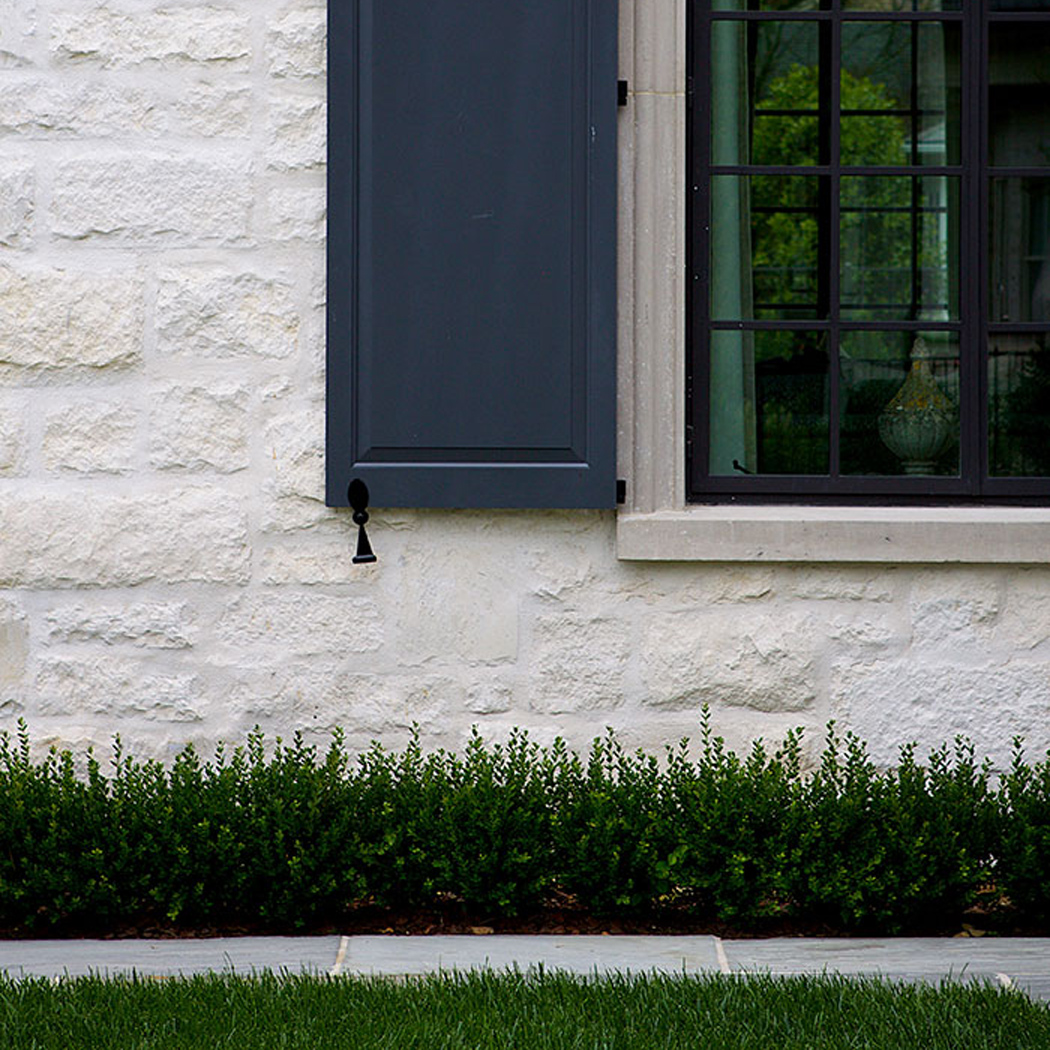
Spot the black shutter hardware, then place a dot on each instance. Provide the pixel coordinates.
(357, 495)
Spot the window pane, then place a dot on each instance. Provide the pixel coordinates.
(900, 93)
(764, 247)
(768, 5)
(769, 403)
(901, 5)
(899, 254)
(1018, 85)
(764, 93)
(1020, 5)
(1020, 249)
(899, 398)
(1019, 405)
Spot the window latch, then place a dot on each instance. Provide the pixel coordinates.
(357, 494)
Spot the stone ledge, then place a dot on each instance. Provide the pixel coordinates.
(931, 535)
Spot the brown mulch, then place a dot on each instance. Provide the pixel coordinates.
(563, 918)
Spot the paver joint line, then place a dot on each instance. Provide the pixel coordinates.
(723, 959)
(337, 967)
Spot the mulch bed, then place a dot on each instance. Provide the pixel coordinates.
(564, 918)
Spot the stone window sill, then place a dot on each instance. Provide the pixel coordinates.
(934, 535)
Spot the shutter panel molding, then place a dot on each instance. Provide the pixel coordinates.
(472, 252)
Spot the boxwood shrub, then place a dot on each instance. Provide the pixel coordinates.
(283, 837)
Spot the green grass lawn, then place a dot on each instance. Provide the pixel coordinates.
(515, 1011)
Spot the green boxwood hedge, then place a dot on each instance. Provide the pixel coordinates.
(286, 838)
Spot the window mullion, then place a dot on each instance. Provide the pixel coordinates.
(831, 63)
(974, 305)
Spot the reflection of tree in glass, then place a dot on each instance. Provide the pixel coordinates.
(792, 370)
(785, 243)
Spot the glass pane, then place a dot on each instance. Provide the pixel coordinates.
(1020, 5)
(1019, 405)
(899, 247)
(764, 247)
(769, 403)
(1018, 100)
(899, 403)
(900, 93)
(901, 5)
(764, 93)
(768, 5)
(1020, 249)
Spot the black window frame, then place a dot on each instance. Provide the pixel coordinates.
(974, 485)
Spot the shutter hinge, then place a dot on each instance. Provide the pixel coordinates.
(621, 92)
(621, 490)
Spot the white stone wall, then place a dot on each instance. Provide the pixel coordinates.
(168, 569)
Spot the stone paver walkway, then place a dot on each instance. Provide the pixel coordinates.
(1024, 962)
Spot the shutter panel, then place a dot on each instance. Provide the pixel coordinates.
(471, 252)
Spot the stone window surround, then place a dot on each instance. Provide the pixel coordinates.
(656, 523)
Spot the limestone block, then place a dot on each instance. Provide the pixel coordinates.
(39, 108)
(17, 31)
(213, 312)
(458, 599)
(314, 558)
(59, 320)
(564, 568)
(579, 662)
(898, 701)
(301, 624)
(17, 198)
(214, 110)
(321, 696)
(14, 645)
(13, 424)
(91, 438)
(112, 38)
(295, 44)
(296, 134)
(955, 611)
(298, 214)
(489, 698)
(199, 428)
(80, 539)
(117, 689)
(866, 633)
(143, 199)
(846, 583)
(691, 585)
(1024, 622)
(295, 492)
(761, 659)
(145, 625)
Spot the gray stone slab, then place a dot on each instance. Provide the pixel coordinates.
(168, 957)
(918, 955)
(576, 954)
(1038, 987)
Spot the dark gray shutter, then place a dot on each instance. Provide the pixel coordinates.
(471, 252)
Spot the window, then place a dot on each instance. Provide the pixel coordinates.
(869, 251)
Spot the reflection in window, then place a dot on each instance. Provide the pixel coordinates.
(769, 403)
(1019, 405)
(1020, 243)
(896, 258)
(900, 93)
(1019, 79)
